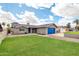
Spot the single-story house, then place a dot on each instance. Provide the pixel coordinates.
(61, 29)
(39, 29)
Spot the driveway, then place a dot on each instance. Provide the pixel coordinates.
(60, 36)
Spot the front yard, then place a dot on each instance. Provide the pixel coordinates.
(37, 46)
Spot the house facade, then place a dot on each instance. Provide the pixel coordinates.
(39, 29)
(62, 29)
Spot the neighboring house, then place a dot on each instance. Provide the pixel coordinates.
(39, 29)
(62, 29)
(77, 27)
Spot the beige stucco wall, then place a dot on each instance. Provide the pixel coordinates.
(17, 31)
(42, 30)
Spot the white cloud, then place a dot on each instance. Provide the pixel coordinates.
(8, 18)
(38, 3)
(5, 16)
(66, 9)
(51, 17)
(45, 21)
(57, 8)
(28, 17)
(32, 19)
(25, 18)
(1, 11)
(42, 4)
(69, 12)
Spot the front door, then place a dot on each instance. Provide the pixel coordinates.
(29, 30)
(34, 30)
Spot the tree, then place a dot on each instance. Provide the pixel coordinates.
(8, 25)
(3, 23)
(68, 25)
(76, 21)
(77, 24)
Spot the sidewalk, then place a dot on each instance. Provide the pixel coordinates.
(21, 35)
(61, 37)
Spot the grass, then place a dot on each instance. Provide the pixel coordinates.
(37, 46)
(71, 32)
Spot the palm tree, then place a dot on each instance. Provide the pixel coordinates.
(76, 21)
(69, 26)
(77, 24)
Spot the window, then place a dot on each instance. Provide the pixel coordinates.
(21, 29)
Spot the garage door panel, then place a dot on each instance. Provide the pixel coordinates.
(51, 30)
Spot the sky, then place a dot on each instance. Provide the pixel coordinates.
(57, 13)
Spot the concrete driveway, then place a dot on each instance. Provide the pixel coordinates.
(58, 34)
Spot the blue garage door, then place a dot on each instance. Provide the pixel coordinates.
(51, 30)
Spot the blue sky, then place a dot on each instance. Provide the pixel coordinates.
(40, 13)
(45, 12)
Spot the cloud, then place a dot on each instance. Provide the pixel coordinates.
(57, 8)
(69, 12)
(48, 20)
(51, 17)
(28, 17)
(39, 3)
(6, 17)
(66, 9)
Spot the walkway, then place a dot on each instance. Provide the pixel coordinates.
(21, 35)
(60, 36)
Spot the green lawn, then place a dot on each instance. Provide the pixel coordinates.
(37, 46)
(71, 32)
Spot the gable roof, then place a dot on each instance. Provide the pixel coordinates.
(16, 25)
(48, 25)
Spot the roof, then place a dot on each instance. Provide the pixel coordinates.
(62, 26)
(16, 25)
(48, 25)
